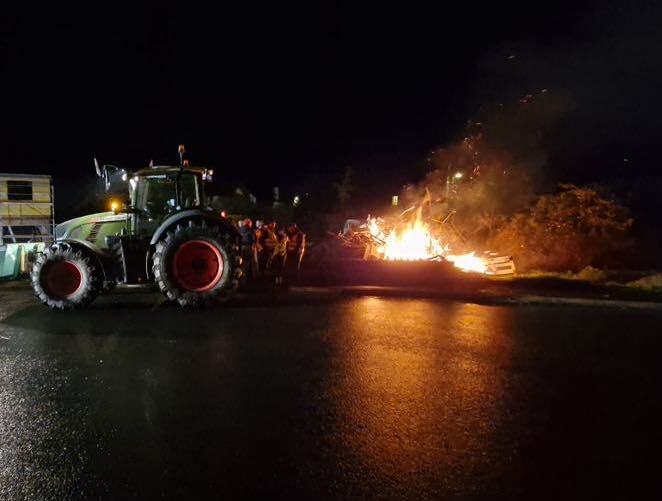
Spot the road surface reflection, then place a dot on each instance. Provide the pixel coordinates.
(348, 397)
(417, 386)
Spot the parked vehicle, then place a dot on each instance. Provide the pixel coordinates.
(167, 235)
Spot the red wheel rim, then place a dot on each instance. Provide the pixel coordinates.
(63, 279)
(197, 265)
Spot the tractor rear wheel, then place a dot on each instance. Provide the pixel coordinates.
(196, 264)
(64, 277)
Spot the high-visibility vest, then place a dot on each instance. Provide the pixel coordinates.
(281, 246)
(270, 240)
(293, 242)
(297, 242)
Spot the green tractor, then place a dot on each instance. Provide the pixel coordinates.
(167, 235)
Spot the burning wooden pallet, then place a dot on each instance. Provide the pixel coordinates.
(498, 265)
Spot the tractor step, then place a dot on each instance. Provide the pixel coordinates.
(130, 252)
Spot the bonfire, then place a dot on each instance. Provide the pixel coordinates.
(413, 240)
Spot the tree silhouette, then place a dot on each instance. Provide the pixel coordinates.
(345, 188)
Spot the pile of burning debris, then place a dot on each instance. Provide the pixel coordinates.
(411, 238)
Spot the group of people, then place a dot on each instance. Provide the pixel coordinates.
(269, 249)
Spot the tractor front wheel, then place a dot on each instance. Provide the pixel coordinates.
(196, 264)
(64, 277)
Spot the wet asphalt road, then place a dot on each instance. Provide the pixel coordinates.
(328, 398)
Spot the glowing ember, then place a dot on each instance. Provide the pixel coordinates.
(413, 241)
(468, 262)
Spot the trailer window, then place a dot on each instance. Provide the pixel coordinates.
(19, 190)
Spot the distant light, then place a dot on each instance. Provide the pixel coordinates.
(124, 176)
(394, 200)
(458, 175)
(223, 214)
(114, 205)
(296, 200)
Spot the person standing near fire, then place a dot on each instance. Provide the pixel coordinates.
(278, 258)
(248, 247)
(296, 247)
(266, 244)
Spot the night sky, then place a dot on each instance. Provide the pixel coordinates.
(289, 95)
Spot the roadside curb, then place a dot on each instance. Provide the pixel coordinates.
(573, 301)
(486, 298)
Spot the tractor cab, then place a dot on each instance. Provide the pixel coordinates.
(156, 193)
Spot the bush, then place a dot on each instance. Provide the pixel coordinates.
(591, 274)
(570, 230)
(650, 282)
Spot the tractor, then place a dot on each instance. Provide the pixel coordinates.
(166, 234)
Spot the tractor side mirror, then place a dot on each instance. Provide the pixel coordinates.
(114, 178)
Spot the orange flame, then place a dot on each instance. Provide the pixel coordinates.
(414, 242)
(468, 262)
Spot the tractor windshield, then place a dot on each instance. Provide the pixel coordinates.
(156, 194)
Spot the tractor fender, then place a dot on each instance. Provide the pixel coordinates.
(98, 254)
(180, 217)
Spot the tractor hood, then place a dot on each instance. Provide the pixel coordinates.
(63, 229)
(91, 227)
